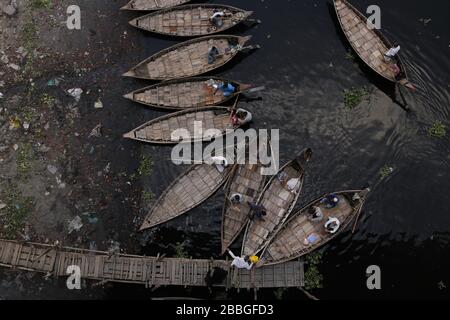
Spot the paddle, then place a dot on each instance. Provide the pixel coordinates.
(251, 90)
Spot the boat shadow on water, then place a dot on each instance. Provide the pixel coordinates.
(392, 90)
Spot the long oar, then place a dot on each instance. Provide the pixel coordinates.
(252, 90)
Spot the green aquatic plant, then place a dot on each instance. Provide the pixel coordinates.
(16, 210)
(180, 250)
(350, 56)
(147, 196)
(385, 171)
(41, 4)
(437, 129)
(313, 277)
(279, 293)
(145, 166)
(25, 156)
(354, 97)
(47, 100)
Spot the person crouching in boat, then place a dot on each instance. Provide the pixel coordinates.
(256, 211)
(220, 162)
(330, 201)
(241, 263)
(217, 18)
(390, 55)
(332, 225)
(227, 88)
(240, 117)
(236, 199)
(213, 52)
(315, 214)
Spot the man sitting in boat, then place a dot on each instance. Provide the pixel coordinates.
(256, 210)
(240, 117)
(315, 214)
(213, 52)
(391, 53)
(220, 162)
(240, 263)
(236, 198)
(332, 225)
(227, 88)
(292, 184)
(217, 18)
(330, 201)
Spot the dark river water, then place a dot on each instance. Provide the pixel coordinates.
(405, 226)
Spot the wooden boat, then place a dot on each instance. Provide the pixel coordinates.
(248, 181)
(369, 44)
(152, 5)
(160, 130)
(190, 20)
(289, 242)
(278, 202)
(185, 93)
(188, 191)
(189, 58)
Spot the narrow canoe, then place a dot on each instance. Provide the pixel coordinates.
(185, 93)
(194, 123)
(369, 44)
(189, 58)
(289, 244)
(152, 5)
(188, 191)
(190, 20)
(278, 202)
(248, 181)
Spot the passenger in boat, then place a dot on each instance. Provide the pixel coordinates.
(256, 210)
(330, 201)
(395, 69)
(236, 198)
(213, 52)
(392, 52)
(311, 239)
(240, 117)
(240, 263)
(292, 184)
(220, 162)
(227, 88)
(315, 214)
(217, 18)
(332, 225)
(282, 177)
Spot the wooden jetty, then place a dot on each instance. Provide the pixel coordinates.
(148, 271)
(190, 20)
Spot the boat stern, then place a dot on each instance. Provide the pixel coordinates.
(130, 73)
(129, 135)
(129, 96)
(244, 40)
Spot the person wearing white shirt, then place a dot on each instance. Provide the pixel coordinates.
(220, 162)
(392, 52)
(240, 263)
(332, 225)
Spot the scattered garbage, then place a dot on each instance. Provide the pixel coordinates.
(75, 93)
(2, 205)
(114, 248)
(14, 66)
(92, 219)
(26, 125)
(9, 9)
(15, 147)
(52, 169)
(75, 225)
(1, 95)
(53, 82)
(96, 132)
(98, 104)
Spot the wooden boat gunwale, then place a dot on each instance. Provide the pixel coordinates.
(130, 96)
(245, 13)
(128, 6)
(355, 212)
(145, 226)
(242, 40)
(288, 210)
(131, 134)
(404, 78)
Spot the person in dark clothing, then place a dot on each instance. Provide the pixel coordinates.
(256, 210)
